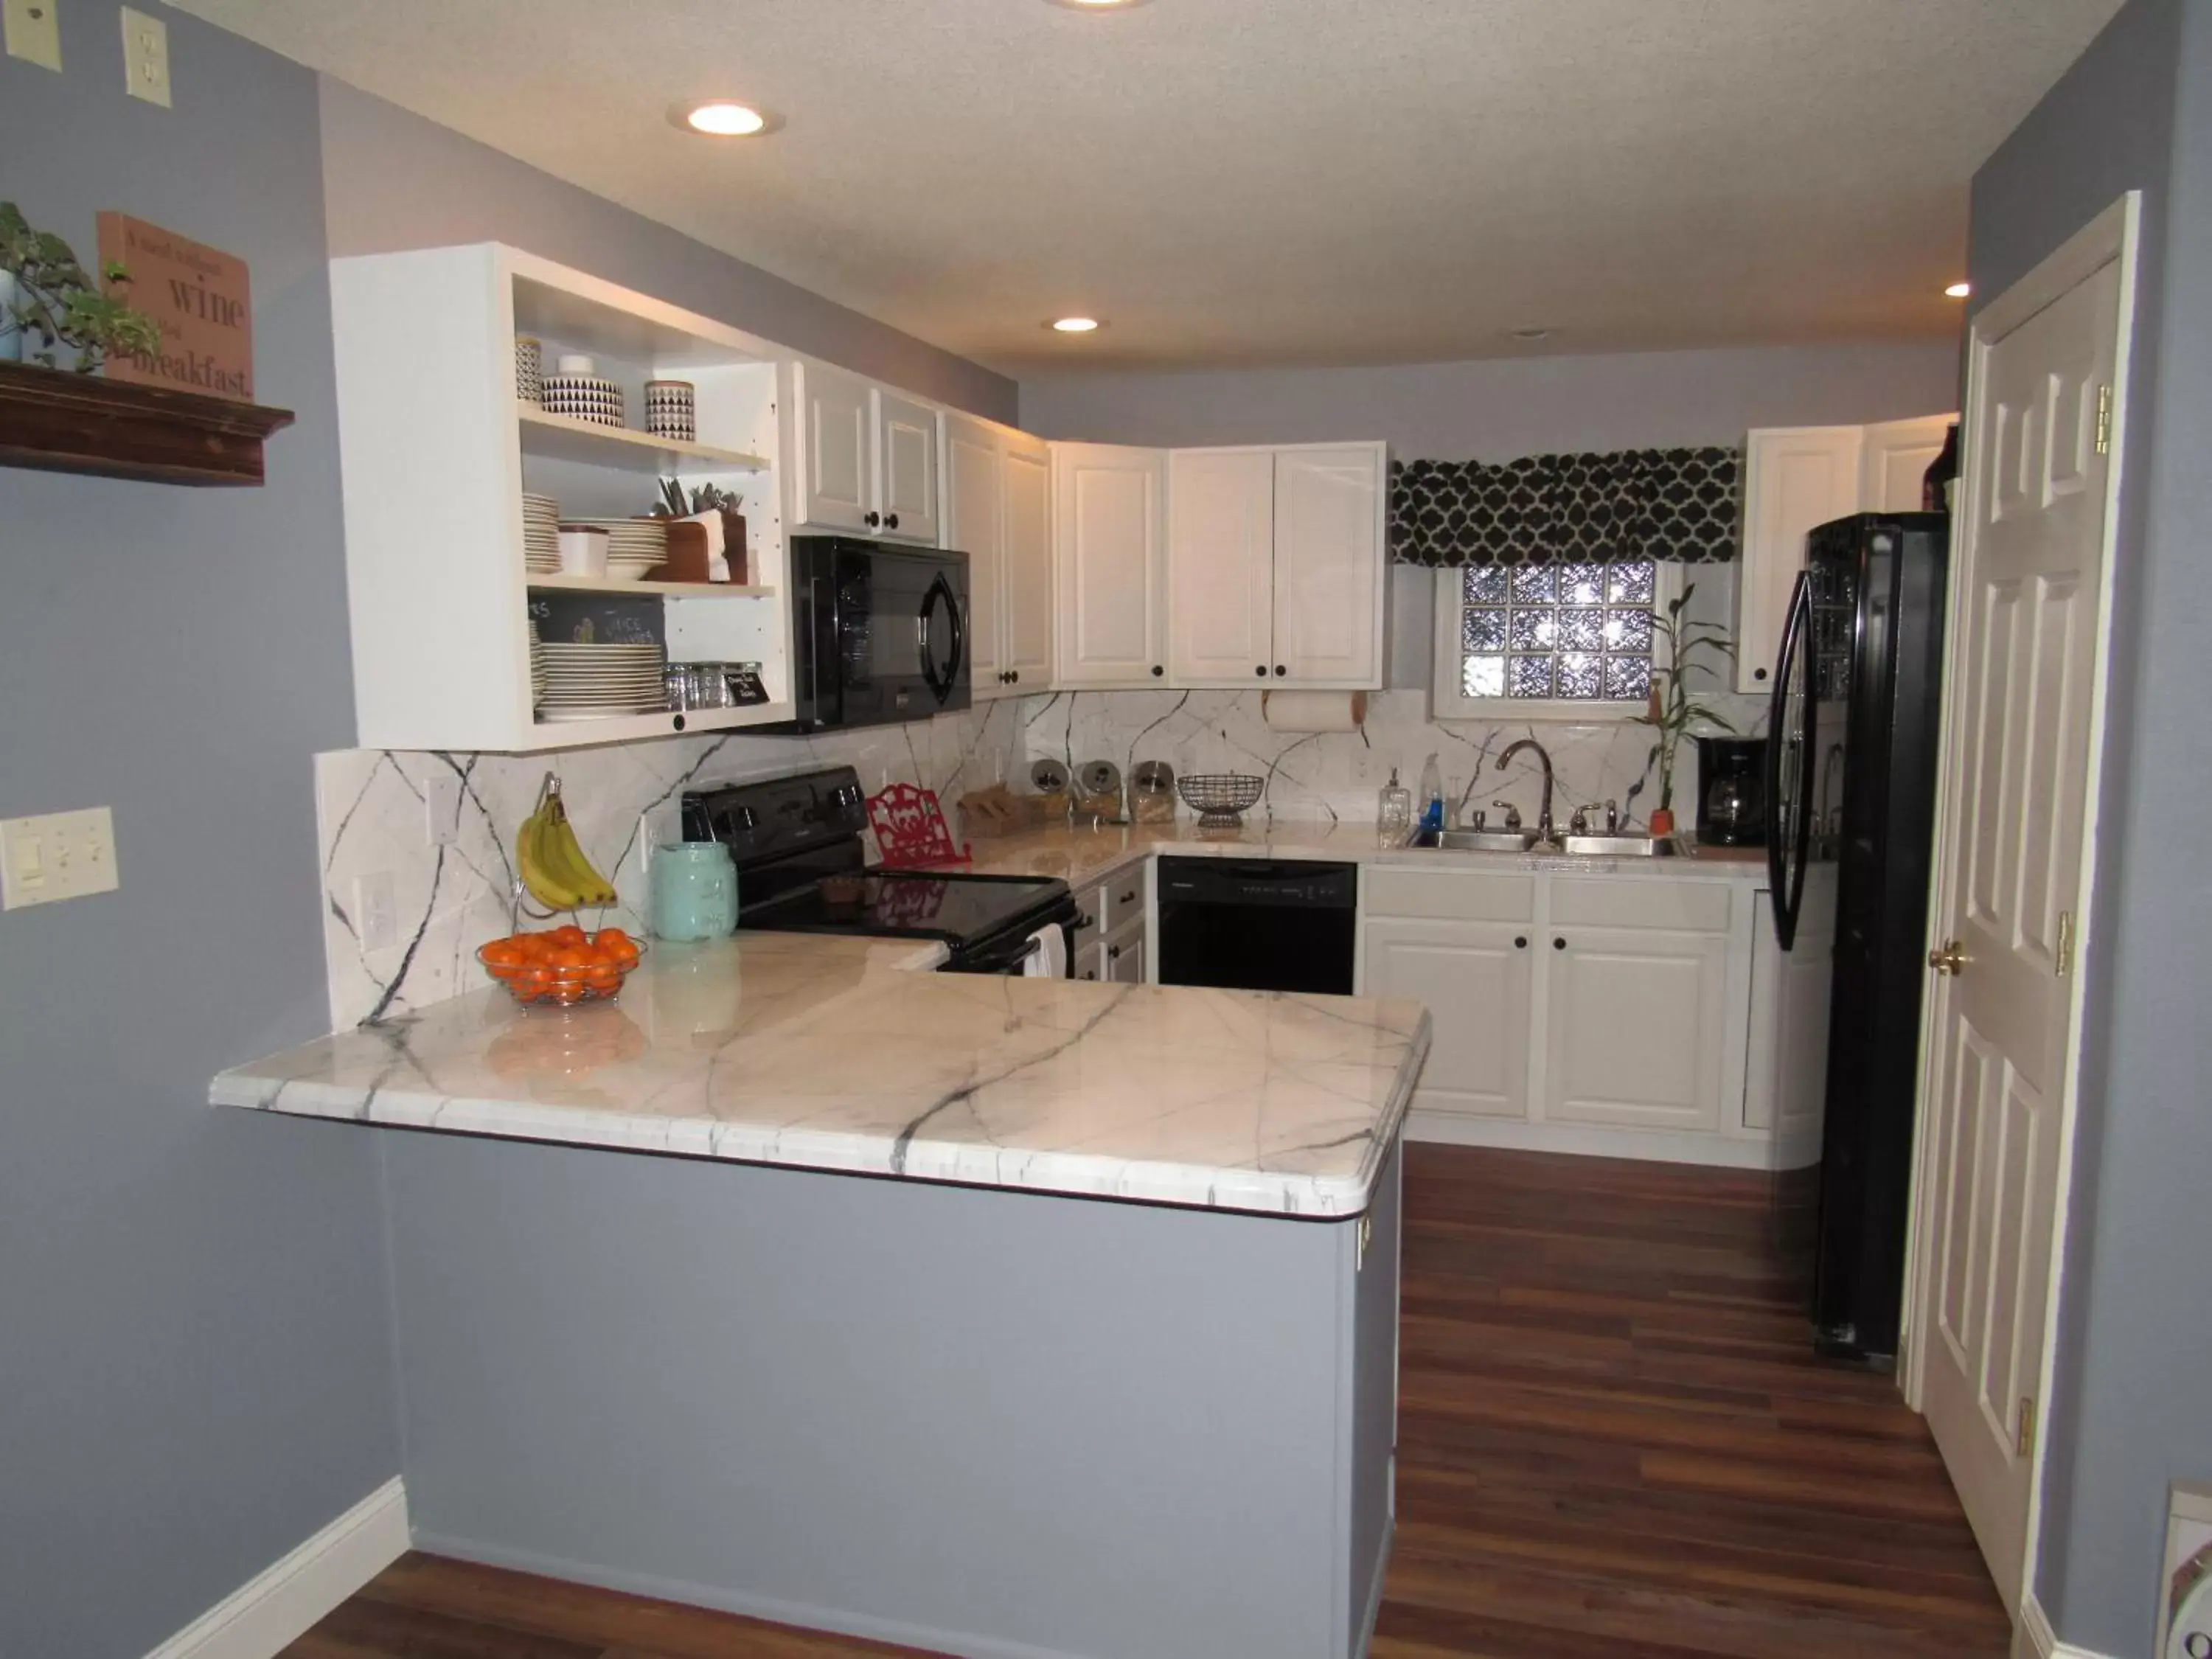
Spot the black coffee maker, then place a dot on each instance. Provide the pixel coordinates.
(1732, 792)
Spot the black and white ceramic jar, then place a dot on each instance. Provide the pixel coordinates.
(529, 369)
(579, 393)
(671, 410)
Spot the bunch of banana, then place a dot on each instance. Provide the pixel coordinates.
(551, 863)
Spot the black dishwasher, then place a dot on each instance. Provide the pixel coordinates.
(1258, 924)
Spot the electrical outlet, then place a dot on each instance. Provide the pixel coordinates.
(33, 31)
(63, 856)
(145, 56)
(376, 910)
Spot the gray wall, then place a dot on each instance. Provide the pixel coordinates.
(396, 180)
(1497, 410)
(195, 1372)
(2135, 1338)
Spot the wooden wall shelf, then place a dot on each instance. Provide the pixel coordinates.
(62, 422)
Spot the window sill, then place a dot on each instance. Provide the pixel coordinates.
(1518, 711)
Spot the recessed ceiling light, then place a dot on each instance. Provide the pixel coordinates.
(1531, 335)
(1075, 325)
(723, 118)
(1958, 290)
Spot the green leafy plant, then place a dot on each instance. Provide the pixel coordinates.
(57, 303)
(1674, 709)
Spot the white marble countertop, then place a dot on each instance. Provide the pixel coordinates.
(836, 1054)
(1082, 855)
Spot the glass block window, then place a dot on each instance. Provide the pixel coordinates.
(1571, 633)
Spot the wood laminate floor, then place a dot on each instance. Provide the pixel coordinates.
(1613, 1444)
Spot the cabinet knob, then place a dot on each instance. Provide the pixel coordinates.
(872, 520)
(679, 722)
(1281, 670)
(1759, 673)
(1013, 677)
(1521, 941)
(1087, 974)
(1261, 670)
(1113, 953)
(1158, 671)
(1559, 944)
(891, 521)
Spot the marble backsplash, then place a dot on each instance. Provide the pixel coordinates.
(428, 837)
(1336, 776)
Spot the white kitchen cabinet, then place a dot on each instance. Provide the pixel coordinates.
(1275, 563)
(1796, 477)
(1329, 566)
(867, 457)
(1025, 529)
(998, 511)
(436, 450)
(1786, 1080)
(835, 442)
(1475, 978)
(1221, 566)
(1109, 550)
(1895, 460)
(906, 469)
(1125, 956)
(1634, 1024)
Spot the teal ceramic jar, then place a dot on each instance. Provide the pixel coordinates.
(695, 890)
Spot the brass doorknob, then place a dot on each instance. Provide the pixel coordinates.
(1951, 958)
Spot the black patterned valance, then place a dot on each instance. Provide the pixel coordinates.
(1680, 504)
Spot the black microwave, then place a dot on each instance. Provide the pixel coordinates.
(879, 634)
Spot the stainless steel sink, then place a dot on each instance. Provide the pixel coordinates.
(1618, 846)
(1486, 841)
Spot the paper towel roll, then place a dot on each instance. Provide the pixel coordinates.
(1313, 711)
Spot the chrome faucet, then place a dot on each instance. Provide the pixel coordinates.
(1545, 829)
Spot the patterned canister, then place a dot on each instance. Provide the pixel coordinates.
(671, 410)
(529, 368)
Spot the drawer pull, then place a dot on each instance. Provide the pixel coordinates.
(1129, 897)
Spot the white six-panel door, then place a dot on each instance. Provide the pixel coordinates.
(1221, 564)
(2026, 591)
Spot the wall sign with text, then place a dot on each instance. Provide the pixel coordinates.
(201, 298)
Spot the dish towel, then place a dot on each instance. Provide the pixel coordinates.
(1048, 956)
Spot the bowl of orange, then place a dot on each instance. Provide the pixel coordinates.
(563, 966)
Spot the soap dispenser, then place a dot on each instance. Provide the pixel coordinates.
(1433, 798)
(1393, 813)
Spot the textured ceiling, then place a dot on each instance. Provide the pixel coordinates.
(1265, 181)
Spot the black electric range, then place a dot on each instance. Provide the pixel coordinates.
(787, 836)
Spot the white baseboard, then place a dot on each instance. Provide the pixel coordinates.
(1586, 1140)
(276, 1605)
(2033, 1638)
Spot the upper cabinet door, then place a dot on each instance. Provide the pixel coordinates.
(974, 526)
(1896, 457)
(1794, 478)
(834, 448)
(1221, 566)
(1025, 556)
(906, 469)
(1329, 567)
(1108, 551)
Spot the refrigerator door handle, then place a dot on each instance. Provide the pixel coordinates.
(1785, 893)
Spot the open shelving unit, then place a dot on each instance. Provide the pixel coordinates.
(438, 450)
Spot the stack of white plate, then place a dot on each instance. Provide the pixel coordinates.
(541, 534)
(633, 546)
(593, 681)
(537, 668)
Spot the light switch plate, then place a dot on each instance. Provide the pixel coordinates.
(376, 910)
(145, 56)
(63, 856)
(33, 31)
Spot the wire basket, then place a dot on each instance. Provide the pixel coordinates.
(1221, 798)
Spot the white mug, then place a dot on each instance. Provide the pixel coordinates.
(583, 552)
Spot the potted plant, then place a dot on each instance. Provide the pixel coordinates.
(1673, 710)
(52, 301)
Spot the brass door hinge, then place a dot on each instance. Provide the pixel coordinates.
(2024, 1435)
(2104, 420)
(2065, 953)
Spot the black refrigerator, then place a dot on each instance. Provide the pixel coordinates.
(1851, 772)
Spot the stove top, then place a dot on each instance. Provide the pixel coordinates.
(960, 909)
